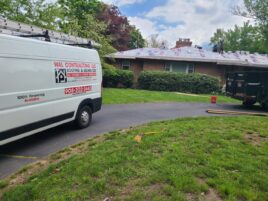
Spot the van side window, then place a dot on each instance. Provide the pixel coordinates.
(125, 64)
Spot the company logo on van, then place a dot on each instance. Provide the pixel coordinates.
(74, 71)
(61, 75)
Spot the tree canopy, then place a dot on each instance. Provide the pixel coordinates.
(246, 38)
(85, 18)
(249, 37)
(153, 41)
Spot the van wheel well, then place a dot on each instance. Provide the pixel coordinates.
(87, 102)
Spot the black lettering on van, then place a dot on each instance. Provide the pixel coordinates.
(22, 97)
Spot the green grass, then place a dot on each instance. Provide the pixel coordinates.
(3, 184)
(175, 160)
(121, 96)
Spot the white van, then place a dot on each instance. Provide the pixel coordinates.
(44, 84)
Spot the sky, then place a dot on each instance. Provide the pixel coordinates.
(174, 19)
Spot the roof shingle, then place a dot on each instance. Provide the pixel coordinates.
(194, 54)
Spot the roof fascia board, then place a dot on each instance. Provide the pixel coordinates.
(242, 64)
(120, 57)
(179, 59)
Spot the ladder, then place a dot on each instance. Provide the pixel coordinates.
(11, 27)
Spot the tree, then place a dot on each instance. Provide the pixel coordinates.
(79, 9)
(137, 41)
(80, 18)
(36, 12)
(255, 9)
(118, 31)
(118, 27)
(246, 38)
(258, 11)
(5, 7)
(153, 41)
(219, 34)
(253, 38)
(85, 18)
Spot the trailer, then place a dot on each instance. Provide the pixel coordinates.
(249, 87)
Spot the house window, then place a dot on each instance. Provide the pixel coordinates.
(190, 68)
(125, 64)
(179, 67)
(168, 67)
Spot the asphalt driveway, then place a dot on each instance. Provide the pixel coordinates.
(112, 117)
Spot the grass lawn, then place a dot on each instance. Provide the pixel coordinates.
(121, 96)
(218, 158)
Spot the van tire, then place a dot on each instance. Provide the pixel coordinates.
(83, 117)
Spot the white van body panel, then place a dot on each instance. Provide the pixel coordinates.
(42, 82)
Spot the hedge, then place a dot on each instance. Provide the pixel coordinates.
(117, 78)
(180, 82)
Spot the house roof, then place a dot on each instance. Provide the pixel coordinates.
(240, 58)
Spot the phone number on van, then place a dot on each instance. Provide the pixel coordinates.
(77, 90)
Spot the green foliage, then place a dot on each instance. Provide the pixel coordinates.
(36, 12)
(76, 17)
(80, 19)
(253, 38)
(180, 82)
(79, 9)
(257, 9)
(117, 78)
(125, 78)
(110, 78)
(137, 41)
(101, 22)
(3, 184)
(107, 66)
(246, 38)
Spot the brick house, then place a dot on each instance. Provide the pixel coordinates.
(187, 59)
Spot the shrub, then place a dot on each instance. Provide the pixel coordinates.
(117, 78)
(107, 66)
(110, 78)
(181, 82)
(125, 78)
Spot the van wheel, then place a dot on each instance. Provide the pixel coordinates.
(84, 117)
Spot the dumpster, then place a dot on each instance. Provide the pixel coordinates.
(249, 87)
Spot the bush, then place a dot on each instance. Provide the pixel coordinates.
(107, 66)
(125, 78)
(117, 78)
(181, 82)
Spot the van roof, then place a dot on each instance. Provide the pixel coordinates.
(15, 46)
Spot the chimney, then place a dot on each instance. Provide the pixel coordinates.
(183, 42)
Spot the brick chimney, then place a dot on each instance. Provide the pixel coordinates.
(183, 42)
